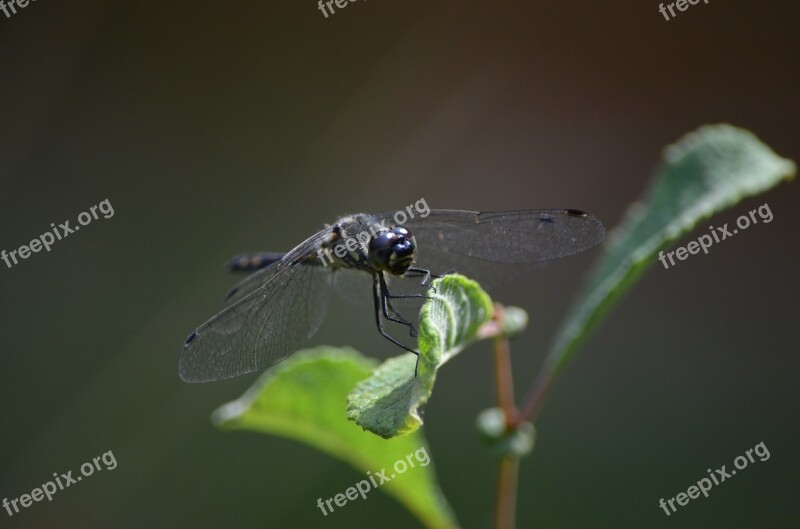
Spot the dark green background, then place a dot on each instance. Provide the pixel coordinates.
(217, 128)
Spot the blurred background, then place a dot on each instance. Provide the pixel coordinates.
(215, 129)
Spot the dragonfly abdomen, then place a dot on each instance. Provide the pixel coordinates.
(253, 261)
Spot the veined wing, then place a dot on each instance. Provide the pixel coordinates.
(493, 246)
(263, 320)
(257, 279)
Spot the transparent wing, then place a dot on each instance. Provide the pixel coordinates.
(495, 246)
(353, 286)
(258, 279)
(252, 282)
(264, 319)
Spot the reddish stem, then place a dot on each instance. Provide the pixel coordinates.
(507, 477)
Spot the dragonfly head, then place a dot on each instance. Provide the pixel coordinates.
(392, 250)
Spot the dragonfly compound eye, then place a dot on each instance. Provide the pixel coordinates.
(392, 251)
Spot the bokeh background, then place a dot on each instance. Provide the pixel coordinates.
(218, 128)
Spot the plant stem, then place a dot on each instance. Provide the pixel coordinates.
(507, 477)
(504, 381)
(508, 469)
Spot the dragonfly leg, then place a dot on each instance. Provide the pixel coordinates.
(426, 281)
(392, 314)
(386, 306)
(429, 276)
(379, 299)
(415, 271)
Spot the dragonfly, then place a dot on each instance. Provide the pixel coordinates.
(273, 311)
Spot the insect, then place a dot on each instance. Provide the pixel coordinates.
(267, 316)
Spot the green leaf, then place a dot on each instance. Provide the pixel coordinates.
(388, 402)
(707, 171)
(303, 398)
